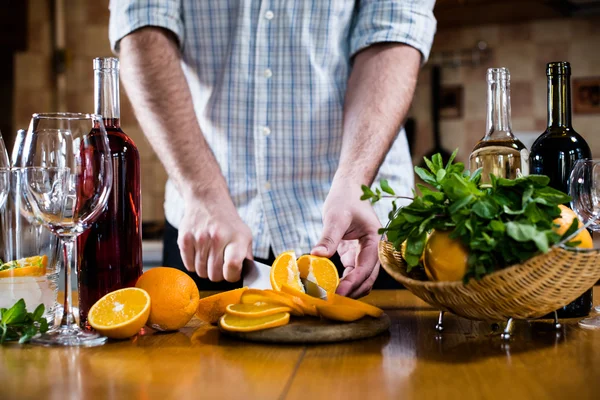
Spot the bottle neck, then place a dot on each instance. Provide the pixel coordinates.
(498, 109)
(559, 101)
(106, 96)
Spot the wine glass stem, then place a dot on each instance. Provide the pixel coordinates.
(69, 252)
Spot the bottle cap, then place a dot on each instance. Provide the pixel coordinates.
(558, 68)
(106, 63)
(498, 75)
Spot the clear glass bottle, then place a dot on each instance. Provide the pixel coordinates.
(499, 152)
(555, 151)
(110, 252)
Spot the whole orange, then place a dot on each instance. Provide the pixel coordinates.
(174, 297)
(565, 220)
(444, 258)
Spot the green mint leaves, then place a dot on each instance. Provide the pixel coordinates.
(17, 324)
(501, 224)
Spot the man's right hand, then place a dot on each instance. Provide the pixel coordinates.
(213, 240)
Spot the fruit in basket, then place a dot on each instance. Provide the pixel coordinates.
(120, 314)
(29, 266)
(174, 297)
(565, 220)
(445, 258)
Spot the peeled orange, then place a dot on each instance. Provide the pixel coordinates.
(120, 314)
(174, 297)
(235, 323)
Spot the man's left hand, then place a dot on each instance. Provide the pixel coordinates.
(350, 227)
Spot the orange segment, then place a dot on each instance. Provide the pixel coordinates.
(174, 295)
(29, 266)
(285, 270)
(320, 270)
(234, 323)
(311, 301)
(336, 299)
(120, 314)
(341, 313)
(212, 308)
(255, 296)
(255, 310)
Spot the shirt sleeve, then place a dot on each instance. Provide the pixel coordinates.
(127, 16)
(404, 21)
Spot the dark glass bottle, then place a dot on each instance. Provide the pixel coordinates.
(556, 150)
(110, 252)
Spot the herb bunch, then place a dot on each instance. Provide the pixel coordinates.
(502, 224)
(18, 324)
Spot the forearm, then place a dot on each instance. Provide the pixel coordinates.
(161, 99)
(379, 94)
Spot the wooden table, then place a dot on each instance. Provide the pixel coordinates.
(468, 362)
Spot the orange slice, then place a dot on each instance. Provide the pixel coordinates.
(255, 310)
(285, 270)
(212, 308)
(120, 314)
(29, 266)
(311, 301)
(336, 299)
(256, 296)
(341, 313)
(235, 323)
(320, 270)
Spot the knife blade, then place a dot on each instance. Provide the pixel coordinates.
(256, 275)
(313, 289)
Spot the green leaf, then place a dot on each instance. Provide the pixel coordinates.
(437, 161)
(486, 208)
(16, 314)
(43, 325)
(38, 312)
(441, 174)
(497, 226)
(463, 202)
(523, 233)
(426, 176)
(452, 157)
(572, 228)
(430, 165)
(28, 333)
(386, 187)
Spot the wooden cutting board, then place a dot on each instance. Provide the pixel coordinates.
(312, 330)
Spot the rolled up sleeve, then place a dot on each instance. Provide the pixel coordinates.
(127, 16)
(403, 21)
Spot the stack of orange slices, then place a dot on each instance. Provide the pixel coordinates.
(247, 310)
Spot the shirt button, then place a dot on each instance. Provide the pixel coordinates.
(268, 73)
(266, 131)
(267, 186)
(269, 15)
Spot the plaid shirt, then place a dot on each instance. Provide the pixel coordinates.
(268, 80)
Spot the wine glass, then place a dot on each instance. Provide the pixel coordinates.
(4, 173)
(68, 176)
(584, 184)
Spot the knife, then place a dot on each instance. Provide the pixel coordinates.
(313, 289)
(256, 275)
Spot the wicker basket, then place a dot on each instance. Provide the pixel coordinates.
(529, 290)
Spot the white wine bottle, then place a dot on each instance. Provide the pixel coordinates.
(499, 152)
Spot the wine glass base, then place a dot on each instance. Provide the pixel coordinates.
(69, 336)
(597, 309)
(590, 323)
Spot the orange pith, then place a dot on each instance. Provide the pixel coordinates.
(320, 270)
(242, 324)
(120, 314)
(212, 308)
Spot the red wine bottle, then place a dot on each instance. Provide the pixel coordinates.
(110, 252)
(554, 153)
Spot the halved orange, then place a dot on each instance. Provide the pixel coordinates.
(255, 310)
(319, 270)
(341, 313)
(336, 299)
(256, 296)
(29, 266)
(212, 308)
(235, 323)
(285, 270)
(120, 314)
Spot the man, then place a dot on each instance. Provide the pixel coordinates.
(268, 117)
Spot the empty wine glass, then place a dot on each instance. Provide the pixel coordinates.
(68, 175)
(4, 173)
(585, 201)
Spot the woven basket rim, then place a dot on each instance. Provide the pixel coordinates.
(494, 275)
